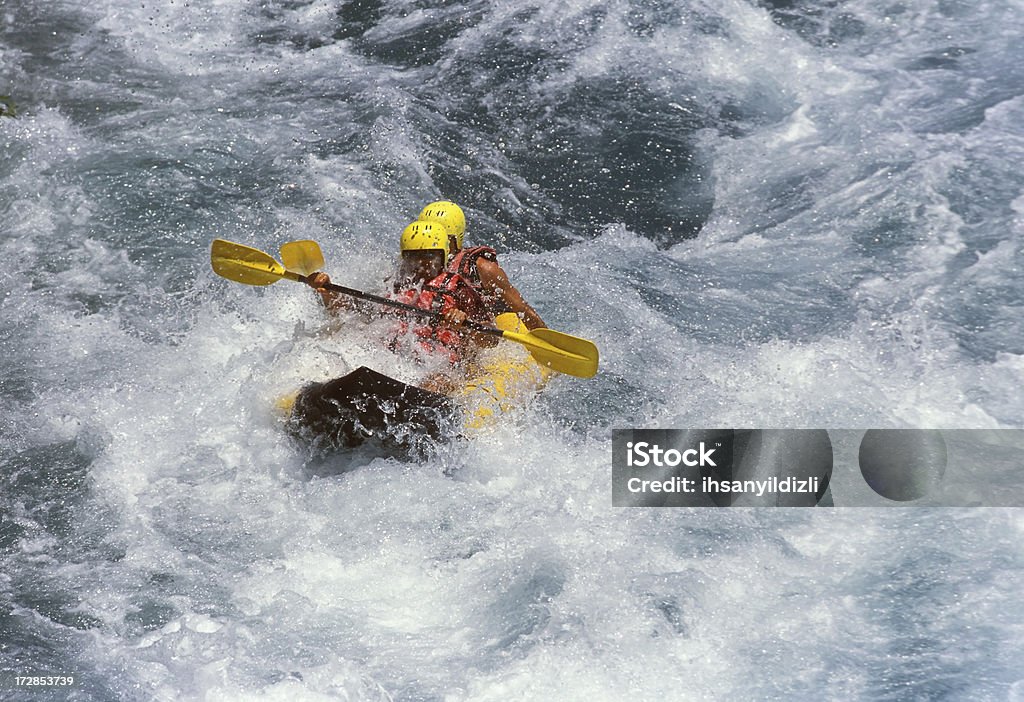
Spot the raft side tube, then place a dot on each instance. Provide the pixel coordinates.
(365, 405)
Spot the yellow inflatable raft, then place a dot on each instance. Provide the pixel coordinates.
(366, 405)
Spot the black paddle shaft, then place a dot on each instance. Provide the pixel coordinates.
(475, 326)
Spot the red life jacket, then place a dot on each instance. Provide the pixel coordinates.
(441, 294)
(464, 264)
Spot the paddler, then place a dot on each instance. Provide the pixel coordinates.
(479, 266)
(423, 281)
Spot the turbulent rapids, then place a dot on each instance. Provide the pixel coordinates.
(765, 214)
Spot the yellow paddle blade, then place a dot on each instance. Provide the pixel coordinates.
(302, 256)
(245, 265)
(561, 352)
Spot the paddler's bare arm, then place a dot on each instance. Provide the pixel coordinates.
(456, 318)
(332, 301)
(496, 282)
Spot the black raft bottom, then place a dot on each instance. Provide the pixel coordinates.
(369, 407)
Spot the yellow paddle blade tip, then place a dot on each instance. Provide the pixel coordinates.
(559, 351)
(302, 256)
(244, 264)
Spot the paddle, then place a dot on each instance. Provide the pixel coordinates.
(302, 256)
(242, 264)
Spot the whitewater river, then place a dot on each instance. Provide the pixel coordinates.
(766, 213)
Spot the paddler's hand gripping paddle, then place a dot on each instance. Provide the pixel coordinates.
(242, 264)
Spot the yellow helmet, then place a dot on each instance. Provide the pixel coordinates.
(425, 236)
(448, 214)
